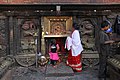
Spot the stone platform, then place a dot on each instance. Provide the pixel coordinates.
(60, 70)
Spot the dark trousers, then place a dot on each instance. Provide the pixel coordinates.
(102, 66)
(53, 62)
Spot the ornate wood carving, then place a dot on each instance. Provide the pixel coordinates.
(88, 36)
(57, 28)
(27, 40)
(57, 25)
(3, 37)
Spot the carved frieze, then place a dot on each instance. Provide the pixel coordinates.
(57, 25)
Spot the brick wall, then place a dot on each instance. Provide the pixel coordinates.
(56, 1)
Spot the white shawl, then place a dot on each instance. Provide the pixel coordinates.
(68, 43)
(74, 43)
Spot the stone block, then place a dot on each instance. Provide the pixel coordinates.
(60, 70)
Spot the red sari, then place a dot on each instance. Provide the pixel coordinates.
(74, 62)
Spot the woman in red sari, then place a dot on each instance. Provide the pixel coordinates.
(74, 46)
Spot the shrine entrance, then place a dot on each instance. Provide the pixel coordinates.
(57, 28)
(60, 27)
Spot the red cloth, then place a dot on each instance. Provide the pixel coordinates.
(61, 44)
(74, 62)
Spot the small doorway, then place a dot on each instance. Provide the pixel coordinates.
(58, 28)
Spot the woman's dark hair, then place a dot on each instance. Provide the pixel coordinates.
(75, 26)
(104, 24)
(53, 41)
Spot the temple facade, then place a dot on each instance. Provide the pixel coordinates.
(27, 26)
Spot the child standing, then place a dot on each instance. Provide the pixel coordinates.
(54, 48)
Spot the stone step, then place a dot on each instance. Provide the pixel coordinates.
(60, 70)
(7, 76)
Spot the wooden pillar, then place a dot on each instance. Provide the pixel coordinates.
(7, 36)
(39, 35)
(11, 47)
(14, 36)
(97, 29)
